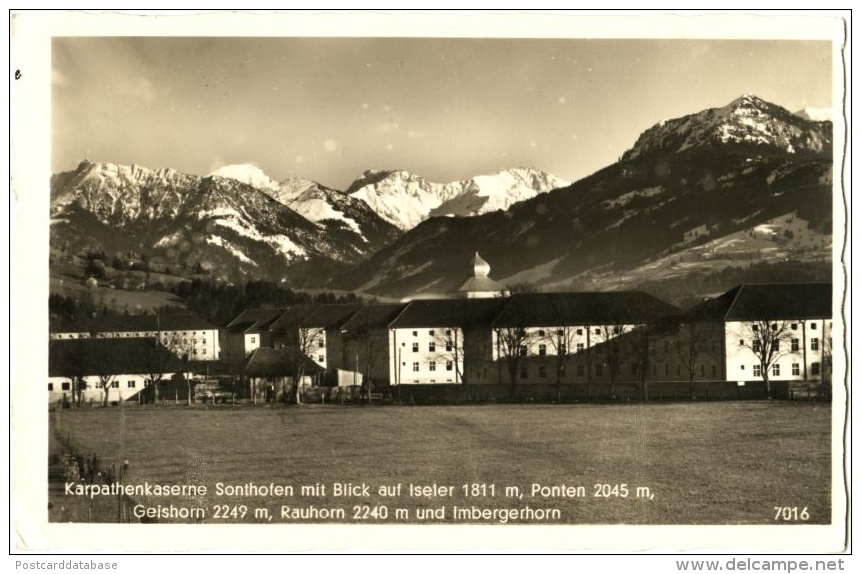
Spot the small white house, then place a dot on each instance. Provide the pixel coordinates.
(86, 370)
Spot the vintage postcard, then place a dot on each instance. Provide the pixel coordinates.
(355, 281)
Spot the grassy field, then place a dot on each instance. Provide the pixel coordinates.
(709, 463)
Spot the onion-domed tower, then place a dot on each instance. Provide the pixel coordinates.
(480, 285)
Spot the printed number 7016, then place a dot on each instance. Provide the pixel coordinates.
(793, 513)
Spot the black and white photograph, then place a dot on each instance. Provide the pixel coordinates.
(429, 281)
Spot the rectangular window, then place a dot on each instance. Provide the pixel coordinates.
(321, 343)
(321, 358)
(115, 384)
(524, 372)
(580, 346)
(253, 340)
(541, 332)
(580, 370)
(579, 331)
(741, 343)
(542, 350)
(617, 330)
(599, 370)
(430, 333)
(775, 370)
(65, 386)
(796, 369)
(560, 332)
(793, 344)
(774, 326)
(814, 344)
(448, 332)
(813, 326)
(794, 326)
(432, 347)
(757, 370)
(814, 369)
(755, 328)
(415, 367)
(415, 347)
(755, 346)
(776, 345)
(415, 333)
(542, 372)
(448, 347)
(50, 386)
(432, 366)
(597, 331)
(130, 384)
(522, 350)
(449, 365)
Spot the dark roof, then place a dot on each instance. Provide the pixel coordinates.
(750, 301)
(254, 320)
(291, 318)
(481, 285)
(115, 356)
(781, 301)
(330, 316)
(374, 316)
(214, 368)
(584, 308)
(266, 362)
(131, 323)
(447, 313)
(241, 327)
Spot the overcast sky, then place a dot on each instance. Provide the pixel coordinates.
(328, 109)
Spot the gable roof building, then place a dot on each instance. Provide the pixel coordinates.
(185, 334)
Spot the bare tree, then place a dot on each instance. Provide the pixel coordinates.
(76, 365)
(768, 340)
(186, 350)
(562, 342)
(107, 363)
(605, 335)
(512, 338)
(827, 358)
(691, 343)
(449, 347)
(309, 340)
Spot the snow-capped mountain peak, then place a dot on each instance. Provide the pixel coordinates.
(816, 114)
(747, 121)
(405, 199)
(248, 174)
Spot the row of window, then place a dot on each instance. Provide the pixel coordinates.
(432, 347)
(114, 385)
(449, 365)
(795, 368)
(794, 345)
(432, 333)
(793, 326)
